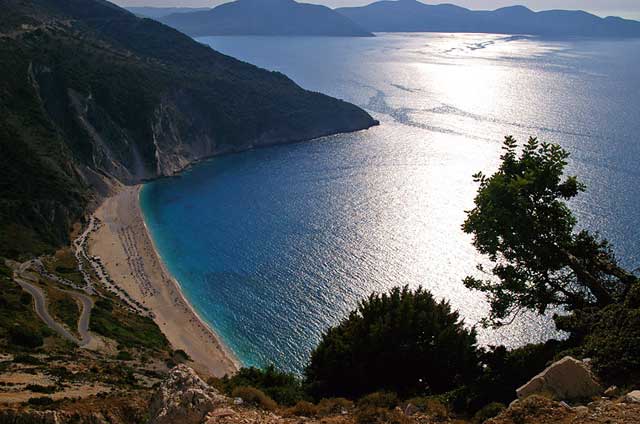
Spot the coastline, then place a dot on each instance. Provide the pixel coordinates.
(129, 255)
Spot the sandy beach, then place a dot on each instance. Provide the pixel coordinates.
(127, 252)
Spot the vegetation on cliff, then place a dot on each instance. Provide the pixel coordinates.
(91, 92)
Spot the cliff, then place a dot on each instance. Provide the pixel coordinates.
(92, 94)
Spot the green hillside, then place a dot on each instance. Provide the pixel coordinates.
(92, 93)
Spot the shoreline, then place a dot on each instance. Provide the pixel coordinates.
(127, 251)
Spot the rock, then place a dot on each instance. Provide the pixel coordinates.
(214, 416)
(612, 391)
(410, 410)
(237, 401)
(183, 398)
(222, 412)
(567, 379)
(581, 410)
(633, 397)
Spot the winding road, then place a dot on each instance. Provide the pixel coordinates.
(40, 301)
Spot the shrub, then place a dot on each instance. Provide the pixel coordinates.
(330, 406)
(379, 400)
(373, 415)
(27, 359)
(489, 411)
(180, 356)
(128, 329)
(303, 409)
(24, 336)
(123, 355)
(255, 397)
(219, 384)
(36, 388)
(430, 406)
(41, 401)
(404, 341)
(610, 337)
(284, 388)
(504, 371)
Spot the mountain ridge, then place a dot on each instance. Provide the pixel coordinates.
(158, 12)
(415, 16)
(265, 17)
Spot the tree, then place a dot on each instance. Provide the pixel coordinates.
(522, 222)
(404, 341)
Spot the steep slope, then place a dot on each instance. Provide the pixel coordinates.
(265, 17)
(414, 16)
(91, 93)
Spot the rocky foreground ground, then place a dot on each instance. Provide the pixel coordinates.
(184, 398)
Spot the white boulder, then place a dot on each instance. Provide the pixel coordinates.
(633, 397)
(567, 379)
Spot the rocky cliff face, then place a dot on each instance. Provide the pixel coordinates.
(183, 397)
(92, 93)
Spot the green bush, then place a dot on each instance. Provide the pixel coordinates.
(66, 310)
(27, 359)
(128, 329)
(41, 401)
(504, 371)
(405, 342)
(24, 336)
(255, 397)
(20, 327)
(491, 410)
(180, 356)
(36, 388)
(610, 337)
(284, 388)
(123, 355)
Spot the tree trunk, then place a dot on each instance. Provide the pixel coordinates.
(602, 295)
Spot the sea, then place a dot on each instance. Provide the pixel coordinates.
(275, 245)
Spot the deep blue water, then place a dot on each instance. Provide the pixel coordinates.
(272, 246)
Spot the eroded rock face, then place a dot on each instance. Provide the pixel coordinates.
(183, 398)
(567, 379)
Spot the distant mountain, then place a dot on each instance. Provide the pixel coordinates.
(159, 12)
(92, 96)
(414, 16)
(265, 17)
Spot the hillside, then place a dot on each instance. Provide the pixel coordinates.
(414, 16)
(265, 17)
(92, 93)
(158, 12)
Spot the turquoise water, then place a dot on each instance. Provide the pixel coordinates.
(272, 246)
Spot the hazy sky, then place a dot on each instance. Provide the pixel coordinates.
(624, 8)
